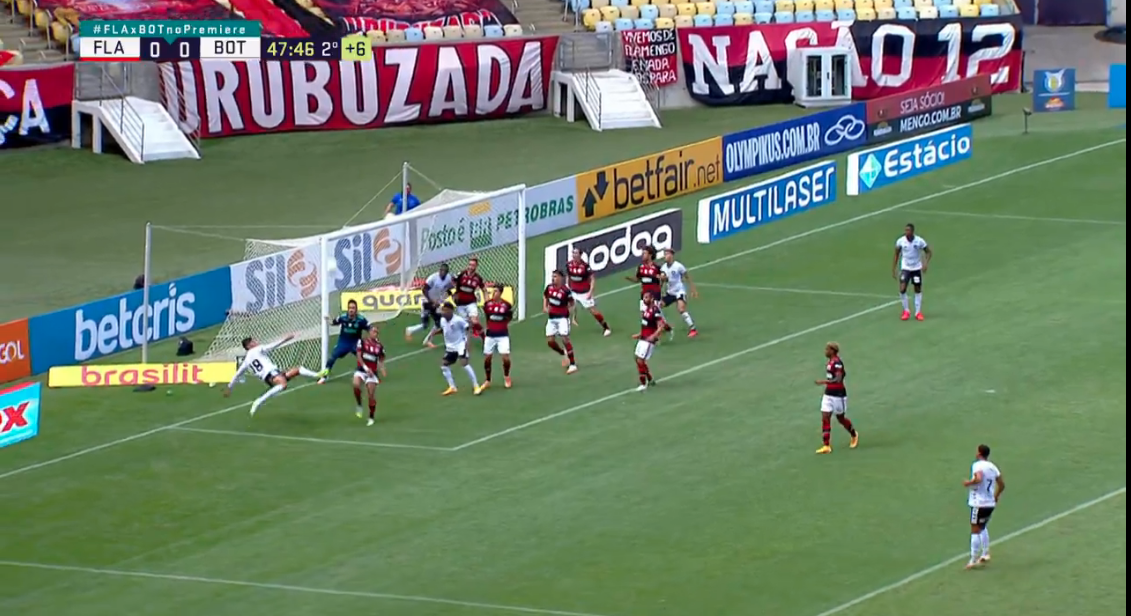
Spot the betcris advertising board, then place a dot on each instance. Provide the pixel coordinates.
(762, 203)
(895, 162)
(19, 413)
(114, 324)
(767, 148)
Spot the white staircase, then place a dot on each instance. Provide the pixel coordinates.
(143, 129)
(608, 99)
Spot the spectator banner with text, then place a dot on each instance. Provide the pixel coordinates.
(404, 85)
(651, 55)
(35, 105)
(384, 15)
(746, 65)
(924, 109)
(649, 179)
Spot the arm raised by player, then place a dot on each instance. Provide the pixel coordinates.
(278, 343)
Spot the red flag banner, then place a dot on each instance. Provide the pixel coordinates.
(747, 65)
(35, 105)
(480, 80)
(366, 15)
(651, 55)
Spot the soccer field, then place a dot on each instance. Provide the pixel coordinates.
(577, 496)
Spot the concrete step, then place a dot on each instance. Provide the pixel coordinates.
(545, 16)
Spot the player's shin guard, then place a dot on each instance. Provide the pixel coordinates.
(555, 347)
(826, 431)
(372, 407)
(569, 353)
(847, 423)
(357, 395)
(600, 319)
(506, 366)
(448, 376)
(918, 303)
(645, 374)
(687, 319)
(487, 367)
(985, 536)
(471, 375)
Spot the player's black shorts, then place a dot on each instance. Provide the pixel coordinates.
(981, 515)
(914, 277)
(271, 377)
(668, 299)
(428, 310)
(450, 357)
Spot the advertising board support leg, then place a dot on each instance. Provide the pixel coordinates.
(145, 303)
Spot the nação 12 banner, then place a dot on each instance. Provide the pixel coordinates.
(759, 204)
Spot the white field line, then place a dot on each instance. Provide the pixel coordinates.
(691, 370)
(512, 609)
(741, 287)
(310, 439)
(729, 257)
(961, 557)
(1079, 221)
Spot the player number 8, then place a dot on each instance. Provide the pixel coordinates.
(255, 365)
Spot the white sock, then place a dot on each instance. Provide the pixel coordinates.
(985, 536)
(975, 546)
(448, 376)
(687, 319)
(270, 392)
(903, 298)
(918, 303)
(471, 374)
(412, 329)
(307, 372)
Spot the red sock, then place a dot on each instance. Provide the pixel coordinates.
(600, 319)
(372, 407)
(506, 366)
(644, 375)
(357, 395)
(847, 423)
(555, 347)
(569, 353)
(826, 430)
(487, 367)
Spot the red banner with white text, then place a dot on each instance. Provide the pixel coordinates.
(651, 55)
(747, 65)
(35, 105)
(467, 81)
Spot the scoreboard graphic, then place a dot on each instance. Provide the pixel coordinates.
(166, 41)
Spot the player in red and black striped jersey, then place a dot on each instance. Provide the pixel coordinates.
(582, 283)
(469, 285)
(651, 324)
(370, 363)
(556, 303)
(499, 314)
(835, 400)
(648, 274)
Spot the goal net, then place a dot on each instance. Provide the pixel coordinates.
(297, 286)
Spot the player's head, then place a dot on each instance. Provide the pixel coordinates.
(249, 343)
(497, 291)
(983, 452)
(351, 308)
(374, 331)
(472, 264)
(444, 269)
(648, 253)
(832, 349)
(909, 231)
(408, 188)
(447, 309)
(575, 254)
(669, 255)
(559, 278)
(648, 298)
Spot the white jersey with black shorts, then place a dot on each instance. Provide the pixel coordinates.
(911, 253)
(983, 496)
(455, 332)
(260, 364)
(437, 290)
(676, 291)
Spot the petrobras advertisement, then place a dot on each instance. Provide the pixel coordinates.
(895, 162)
(114, 324)
(765, 202)
(796, 141)
(19, 413)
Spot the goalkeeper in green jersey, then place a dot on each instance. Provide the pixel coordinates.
(353, 325)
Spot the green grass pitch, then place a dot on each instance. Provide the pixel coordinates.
(574, 496)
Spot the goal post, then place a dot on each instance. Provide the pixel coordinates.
(298, 285)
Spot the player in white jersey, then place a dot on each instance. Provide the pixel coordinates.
(680, 285)
(912, 256)
(985, 485)
(436, 289)
(455, 330)
(264, 369)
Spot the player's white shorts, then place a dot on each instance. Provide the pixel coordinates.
(502, 344)
(644, 349)
(834, 405)
(366, 377)
(585, 300)
(469, 311)
(557, 326)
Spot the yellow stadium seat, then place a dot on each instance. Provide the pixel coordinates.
(866, 14)
(630, 12)
(970, 10)
(376, 37)
(784, 6)
(394, 36)
(661, 2)
(885, 13)
(639, 2)
(928, 12)
(923, 3)
(610, 13)
(432, 33)
(684, 21)
(590, 17)
(705, 8)
(668, 10)
(473, 31)
(804, 5)
(664, 23)
(685, 8)
(512, 30)
(825, 5)
(984, 1)
(599, 4)
(743, 19)
(963, 2)
(865, 4)
(845, 5)
(885, 4)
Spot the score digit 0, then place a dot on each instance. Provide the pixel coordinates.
(178, 49)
